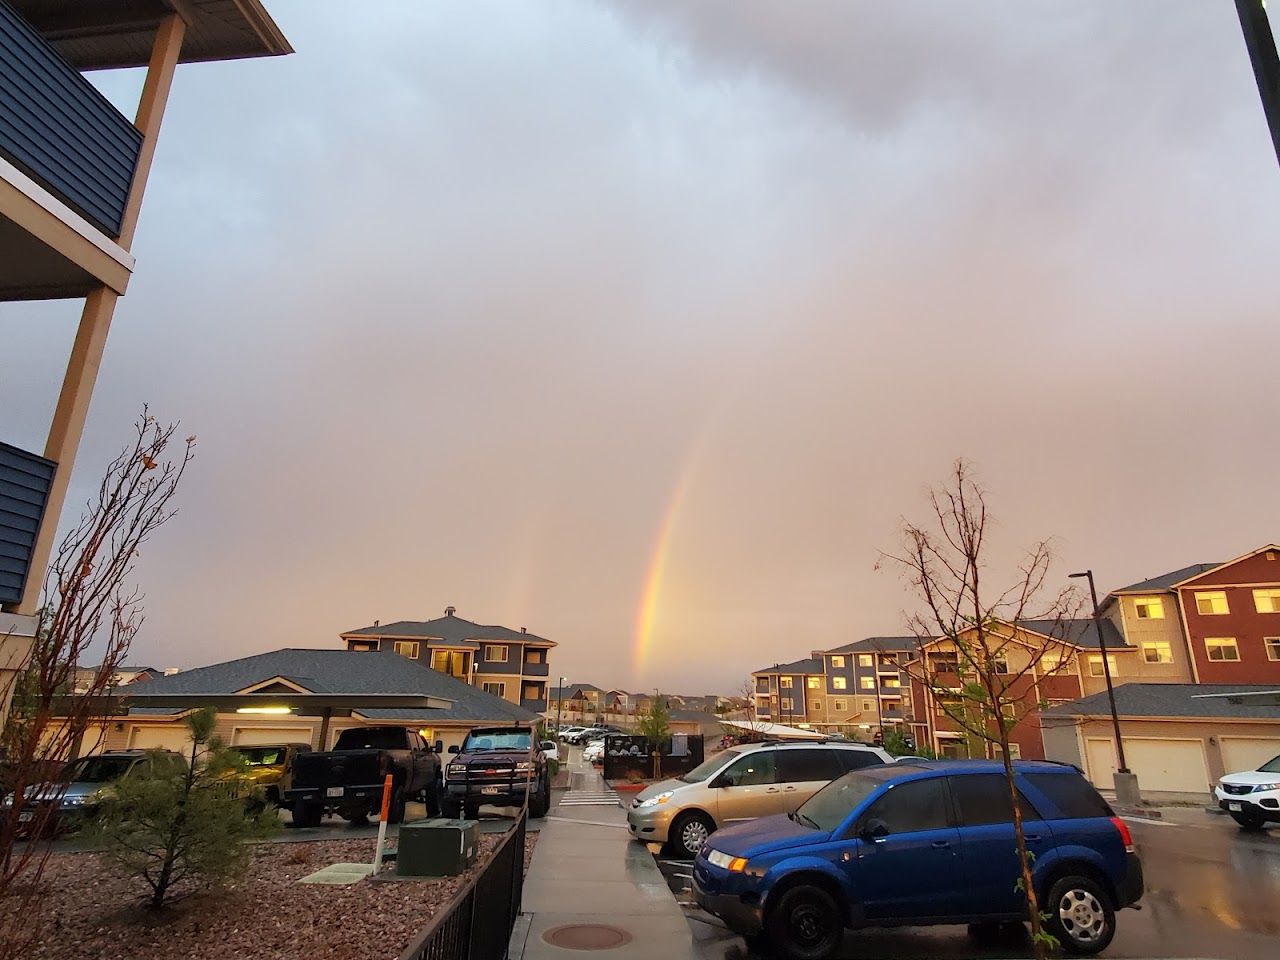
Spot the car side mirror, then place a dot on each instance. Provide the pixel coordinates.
(454, 748)
(873, 830)
(439, 746)
(720, 781)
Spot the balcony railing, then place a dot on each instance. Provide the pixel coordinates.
(535, 669)
(537, 705)
(24, 490)
(59, 130)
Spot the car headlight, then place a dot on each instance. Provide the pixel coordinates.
(77, 801)
(722, 860)
(524, 766)
(457, 769)
(660, 798)
(1265, 786)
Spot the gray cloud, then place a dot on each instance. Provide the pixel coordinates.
(457, 295)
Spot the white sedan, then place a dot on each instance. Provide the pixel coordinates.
(594, 752)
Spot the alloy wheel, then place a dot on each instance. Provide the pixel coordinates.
(1082, 916)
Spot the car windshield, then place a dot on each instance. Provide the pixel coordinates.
(482, 741)
(1271, 766)
(707, 768)
(262, 756)
(98, 769)
(829, 807)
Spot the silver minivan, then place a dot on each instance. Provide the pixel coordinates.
(742, 783)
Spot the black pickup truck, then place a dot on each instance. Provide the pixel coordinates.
(497, 765)
(347, 780)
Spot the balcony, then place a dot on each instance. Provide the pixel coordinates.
(535, 669)
(537, 706)
(24, 489)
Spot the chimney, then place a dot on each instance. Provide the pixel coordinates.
(377, 623)
(448, 611)
(524, 629)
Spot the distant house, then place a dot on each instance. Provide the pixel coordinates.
(303, 695)
(508, 663)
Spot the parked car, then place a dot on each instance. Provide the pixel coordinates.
(78, 792)
(503, 766)
(926, 843)
(754, 780)
(348, 779)
(551, 750)
(1252, 797)
(594, 752)
(271, 768)
(567, 732)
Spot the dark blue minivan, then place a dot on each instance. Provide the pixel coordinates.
(923, 843)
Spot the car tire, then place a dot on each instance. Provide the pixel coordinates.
(307, 814)
(805, 924)
(1250, 822)
(431, 799)
(395, 809)
(1080, 914)
(688, 833)
(540, 803)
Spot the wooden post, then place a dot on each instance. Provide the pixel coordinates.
(95, 320)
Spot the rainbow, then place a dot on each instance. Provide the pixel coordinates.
(647, 610)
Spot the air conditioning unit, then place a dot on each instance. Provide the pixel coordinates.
(437, 848)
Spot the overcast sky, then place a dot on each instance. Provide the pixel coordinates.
(608, 319)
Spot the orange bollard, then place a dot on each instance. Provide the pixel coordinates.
(382, 823)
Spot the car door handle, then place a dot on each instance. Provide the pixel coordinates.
(772, 790)
(1030, 837)
(789, 790)
(941, 844)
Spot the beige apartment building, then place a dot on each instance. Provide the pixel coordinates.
(511, 664)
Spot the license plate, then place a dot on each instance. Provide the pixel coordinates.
(333, 792)
(1234, 806)
(489, 791)
(25, 817)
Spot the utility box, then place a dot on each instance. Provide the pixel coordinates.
(437, 848)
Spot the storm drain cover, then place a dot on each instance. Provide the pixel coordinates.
(587, 936)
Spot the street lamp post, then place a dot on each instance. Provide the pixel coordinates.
(1126, 782)
(1261, 45)
(559, 706)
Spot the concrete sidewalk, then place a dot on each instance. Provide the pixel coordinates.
(586, 872)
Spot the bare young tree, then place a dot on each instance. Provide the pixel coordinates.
(979, 660)
(87, 603)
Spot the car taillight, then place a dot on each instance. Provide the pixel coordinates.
(1125, 837)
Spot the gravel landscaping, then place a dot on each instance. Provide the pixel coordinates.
(89, 911)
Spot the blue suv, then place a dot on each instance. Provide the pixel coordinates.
(923, 843)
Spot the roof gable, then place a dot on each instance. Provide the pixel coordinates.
(1253, 567)
(1164, 582)
(449, 628)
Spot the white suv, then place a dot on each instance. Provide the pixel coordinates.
(1252, 797)
(742, 783)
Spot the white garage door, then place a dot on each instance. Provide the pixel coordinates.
(1176, 766)
(250, 736)
(1248, 753)
(167, 737)
(1101, 760)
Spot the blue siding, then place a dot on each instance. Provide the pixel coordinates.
(57, 128)
(24, 490)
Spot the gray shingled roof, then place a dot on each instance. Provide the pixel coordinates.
(878, 644)
(1166, 580)
(810, 665)
(1079, 632)
(450, 628)
(344, 672)
(1170, 700)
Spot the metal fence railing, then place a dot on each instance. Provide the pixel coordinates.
(477, 923)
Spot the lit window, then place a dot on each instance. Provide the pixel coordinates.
(837, 661)
(407, 648)
(814, 683)
(1050, 663)
(1095, 666)
(867, 683)
(865, 660)
(1221, 648)
(1157, 651)
(1266, 601)
(838, 683)
(1149, 608)
(1212, 603)
(498, 689)
(495, 654)
(786, 683)
(1273, 647)
(892, 683)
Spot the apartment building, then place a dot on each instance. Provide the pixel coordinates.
(511, 664)
(791, 693)
(73, 171)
